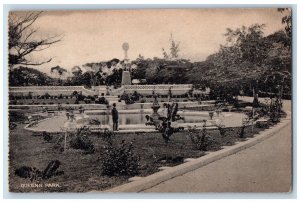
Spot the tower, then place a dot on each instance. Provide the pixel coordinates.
(126, 78)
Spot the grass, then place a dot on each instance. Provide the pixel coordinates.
(82, 172)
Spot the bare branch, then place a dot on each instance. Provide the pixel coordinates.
(20, 45)
(35, 64)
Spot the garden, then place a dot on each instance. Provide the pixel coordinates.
(102, 160)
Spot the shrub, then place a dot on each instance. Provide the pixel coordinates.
(107, 136)
(201, 140)
(47, 137)
(52, 170)
(120, 159)
(101, 100)
(12, 126)
(222, 131)
(46, 96)
(81, 141)
(16, 116)
(35, 174)
(13, 102)
(164, 124)
(242, 131)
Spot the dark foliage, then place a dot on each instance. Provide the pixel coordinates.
(164, 124)
(120, 159)
(23, 76)
(35, 174)
(81, 141)
(16, 116)
(201, 140)
(47, 137)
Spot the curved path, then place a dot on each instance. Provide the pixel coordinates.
(265, 167)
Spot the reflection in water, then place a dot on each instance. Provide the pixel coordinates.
(131, 119)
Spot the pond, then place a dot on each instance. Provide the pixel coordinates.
(139, 118)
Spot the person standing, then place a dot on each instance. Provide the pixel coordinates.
(115, 117)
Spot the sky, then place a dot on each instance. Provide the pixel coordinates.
(94, 36)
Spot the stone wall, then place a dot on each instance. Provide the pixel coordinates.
(51, 90)
(159, 89)
(98, 90)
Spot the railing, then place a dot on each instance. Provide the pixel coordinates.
(67, 90)
(158, 87)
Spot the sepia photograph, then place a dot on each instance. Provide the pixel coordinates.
(187, 100)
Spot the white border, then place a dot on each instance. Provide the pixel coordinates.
(151, 2)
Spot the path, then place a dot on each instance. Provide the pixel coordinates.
(265, 167)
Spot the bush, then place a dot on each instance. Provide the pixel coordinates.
(222, 131)
(15, 116)
(13, 102)
(47, 137)
(35, 174)
(107, 136)
(12, 126)
(101, 100)
(242, 131)
(201, 140)
(46, 96)
(120, 160)
(81, 141)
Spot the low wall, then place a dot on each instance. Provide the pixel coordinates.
(55, 107)
(159, 89)
(51, 90)
(97, 90)
(149, 105)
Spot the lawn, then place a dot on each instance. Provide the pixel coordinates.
(82, 172)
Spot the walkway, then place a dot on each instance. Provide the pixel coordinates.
(265, 167)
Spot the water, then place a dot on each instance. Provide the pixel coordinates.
(135, 119)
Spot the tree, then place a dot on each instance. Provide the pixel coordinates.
(76, 71)
(245, 42)
(22, 42)
(115, 78)
(174, 49)
(249, 61)
(22, 76)
(287, 20)
(59, 71)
